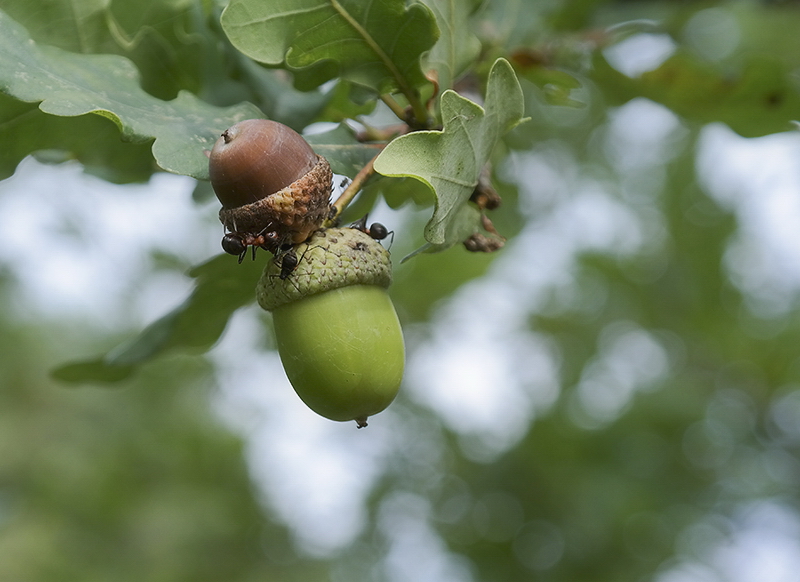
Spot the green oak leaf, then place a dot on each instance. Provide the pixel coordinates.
(69, 84)
(172, 42)
(343, 151)
(274, 94)
(92, 372)
(222, 286)
(79, 26)
(457, 46)
(375, 43)
(25, 130)
(450, 161)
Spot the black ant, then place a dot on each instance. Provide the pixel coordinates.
(376, 230)
(236, 243)
(288, 264)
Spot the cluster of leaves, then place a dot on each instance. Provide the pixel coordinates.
(374, 49)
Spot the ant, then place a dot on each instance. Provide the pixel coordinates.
(376, 230)
(236, 243)
(288, 264)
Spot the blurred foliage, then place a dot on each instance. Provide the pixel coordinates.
(138, 484)
(144, 483)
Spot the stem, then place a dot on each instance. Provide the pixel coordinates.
(350, 192)
(420, 110)
(394, 106)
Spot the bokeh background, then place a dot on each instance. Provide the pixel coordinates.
(613, 396)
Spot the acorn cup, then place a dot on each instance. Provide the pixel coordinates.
(337, 332)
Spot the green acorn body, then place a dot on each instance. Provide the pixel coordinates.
(337, 331)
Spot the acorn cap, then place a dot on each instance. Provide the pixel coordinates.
(293, 212)
(330, 259)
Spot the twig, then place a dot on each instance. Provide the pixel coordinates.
(396, 108)
(416, 115)
(352, 189)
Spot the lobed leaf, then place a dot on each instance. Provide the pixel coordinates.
(69, 84)
(169, 40)
(375, 43)
(450, 161)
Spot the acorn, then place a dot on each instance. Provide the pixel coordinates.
(274, 189)
(337, 331)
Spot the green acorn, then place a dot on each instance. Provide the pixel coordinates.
(337, 331)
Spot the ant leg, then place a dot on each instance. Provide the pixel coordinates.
(391, 240)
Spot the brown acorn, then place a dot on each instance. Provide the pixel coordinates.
(274, 189)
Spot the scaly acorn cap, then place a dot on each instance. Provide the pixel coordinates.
(294, 211)
(330, 259)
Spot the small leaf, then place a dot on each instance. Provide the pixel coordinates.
(450, 161)
(69, 84)
(222, 286)
(376, 43)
